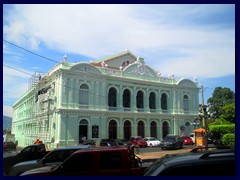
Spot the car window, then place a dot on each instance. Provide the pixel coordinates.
(57, 156)
(27, 150)
(110, 160)
(79, 163)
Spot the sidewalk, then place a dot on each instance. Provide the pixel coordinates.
(155, 155)
(151, 156)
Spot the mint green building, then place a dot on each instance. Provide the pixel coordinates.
(116, 97)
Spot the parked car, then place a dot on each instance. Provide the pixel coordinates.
(31, 152)
(192, 136)
(187, 140)
(9, 145)
(124, 142)
(90, 142)
(203, 163)
(108, 142)
(172, 142)
(54, 157)
(138, 141)
(105, 161)
(152, 141)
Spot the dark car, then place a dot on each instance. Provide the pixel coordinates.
(124, 142)
(31, 152)
(172, 142)
(54, 157)
(108, 142)
(204, 163)
(90, 142)
(9, 145)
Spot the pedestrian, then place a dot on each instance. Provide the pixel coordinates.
(37, 141)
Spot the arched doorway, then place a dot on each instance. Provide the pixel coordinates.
(112, 130)
(141, 129)
(127, 130)
(153, 129)
(165, 129)
(83, 130)
(187, 128)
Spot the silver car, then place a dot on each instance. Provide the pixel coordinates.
(54, 157)
(152, 141)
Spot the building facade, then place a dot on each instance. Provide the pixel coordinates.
(116, 97)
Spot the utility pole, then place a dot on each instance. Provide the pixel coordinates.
(204, 120)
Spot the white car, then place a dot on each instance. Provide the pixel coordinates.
(192, 136)
(152, 141)
(54, 157)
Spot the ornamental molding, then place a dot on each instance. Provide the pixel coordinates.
(186, 83)
(85, 68)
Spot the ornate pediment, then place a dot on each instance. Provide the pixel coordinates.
(141, 71)
(186, 83)
(86, 68)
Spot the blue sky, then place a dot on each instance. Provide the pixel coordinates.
(182, 39)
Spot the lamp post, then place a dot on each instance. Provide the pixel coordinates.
(203, 118)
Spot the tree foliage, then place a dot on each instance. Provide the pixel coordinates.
(228, 113)
(220, 98)
(228, 140)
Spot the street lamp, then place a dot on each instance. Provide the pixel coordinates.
(195, 123)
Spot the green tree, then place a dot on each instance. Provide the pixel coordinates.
(220, 98)
(228, 113)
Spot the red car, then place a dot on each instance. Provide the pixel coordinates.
(187, 140)
(138, 140)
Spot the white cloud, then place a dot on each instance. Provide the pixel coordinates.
(15, 83)
(7, 111)
(102, 30)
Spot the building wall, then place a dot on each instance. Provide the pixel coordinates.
(55, 118)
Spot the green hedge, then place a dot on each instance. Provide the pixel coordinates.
(228, 140)
(217, 131)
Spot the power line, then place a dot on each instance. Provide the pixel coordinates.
(17, 69)
(30, 51)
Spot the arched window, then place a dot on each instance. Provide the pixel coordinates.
(152, 101)
(126, 98)
(164, 102)
(153, 129)
(185, 104)
(112, 97)
(140, 103)
(112, 129)
(84, 95)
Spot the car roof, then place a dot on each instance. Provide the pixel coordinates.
(184, 158)
(73, 147)
(105, 149)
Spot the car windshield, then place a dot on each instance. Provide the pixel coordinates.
(169, 138)
(139, 138)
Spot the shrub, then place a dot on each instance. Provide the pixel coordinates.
(219, 130)
(228, 140)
